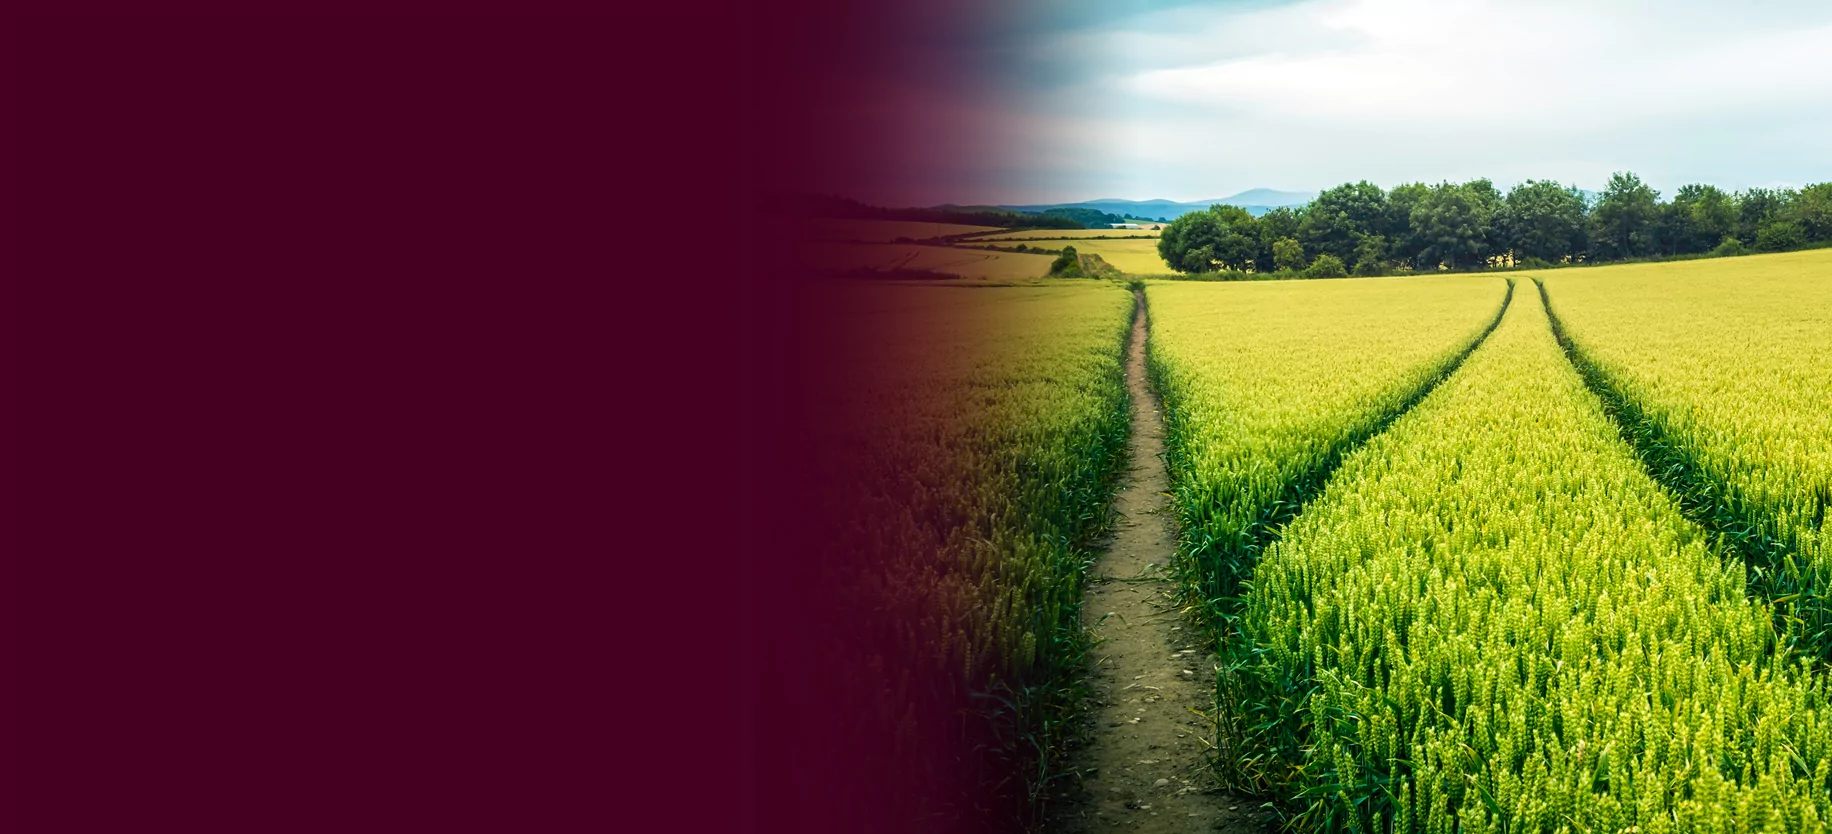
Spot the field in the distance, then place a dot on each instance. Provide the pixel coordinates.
(1069, 234)
(1137, 257)
(965, 263)
(1130, 251)
(876, 231)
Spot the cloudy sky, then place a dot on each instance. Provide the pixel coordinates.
(1187, 100)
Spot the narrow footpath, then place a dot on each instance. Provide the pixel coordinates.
(1144, 764)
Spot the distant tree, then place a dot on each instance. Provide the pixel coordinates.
(1758, 207)
(1812, 209)
(1239, 245)
(1287, 255)
(1697, 219)
(1371, 255)
(1175, 243)
(1711, 215)
(1454, 223)
(1669, 228)
(1403, 244)
(1781, 235)
(1087, 217)
(1067, 264)
(1326, 266)
(1542, 219)
(1198, 260)
(1336, 221)
(1622, 225)
(1487, 201)
(1276, 225)
(1197, 241)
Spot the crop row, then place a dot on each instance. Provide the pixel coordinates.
(1492, 619)
(1721, 372)
(1266, 385)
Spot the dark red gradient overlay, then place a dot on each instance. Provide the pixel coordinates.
(412, 415)
(894, 105)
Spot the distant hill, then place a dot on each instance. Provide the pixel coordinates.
(1269, 198)
(1256, 201)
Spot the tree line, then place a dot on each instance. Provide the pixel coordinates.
(1357, 228)
(1087, 217)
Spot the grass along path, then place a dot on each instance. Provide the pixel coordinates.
(1144, 763)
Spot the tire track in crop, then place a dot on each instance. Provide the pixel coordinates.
(1143, 763)
(1235, 766)
(1302, 489)
(1147, 763)
(1773, 574)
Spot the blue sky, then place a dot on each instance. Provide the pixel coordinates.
(1198, 100)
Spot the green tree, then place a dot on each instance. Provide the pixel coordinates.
(1196, 241)
(1453, 224)
(1669, 228)
(1697, 220)
(1781, 235)
(1175, 242)
(1067, 264)
(1758, 207)
(1198, 260)
(1287, 254)
(1326, 266)
(1622, 225)
(1371, 255)
(1487, 202)
(1239, 246)
(1403, 244)
(1711, 215)
(1812, 209)
(1542, 219)
(1278, 224)
(1337, 220)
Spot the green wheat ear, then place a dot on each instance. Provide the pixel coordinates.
(1494, 617)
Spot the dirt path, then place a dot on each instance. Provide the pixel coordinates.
(1143, 767)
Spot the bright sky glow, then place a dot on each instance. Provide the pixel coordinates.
(1201, 100)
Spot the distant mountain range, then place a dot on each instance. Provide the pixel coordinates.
(1256, 201)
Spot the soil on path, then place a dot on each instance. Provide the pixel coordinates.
(1144, 763)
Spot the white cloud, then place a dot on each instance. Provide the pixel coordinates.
(1199, 101)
